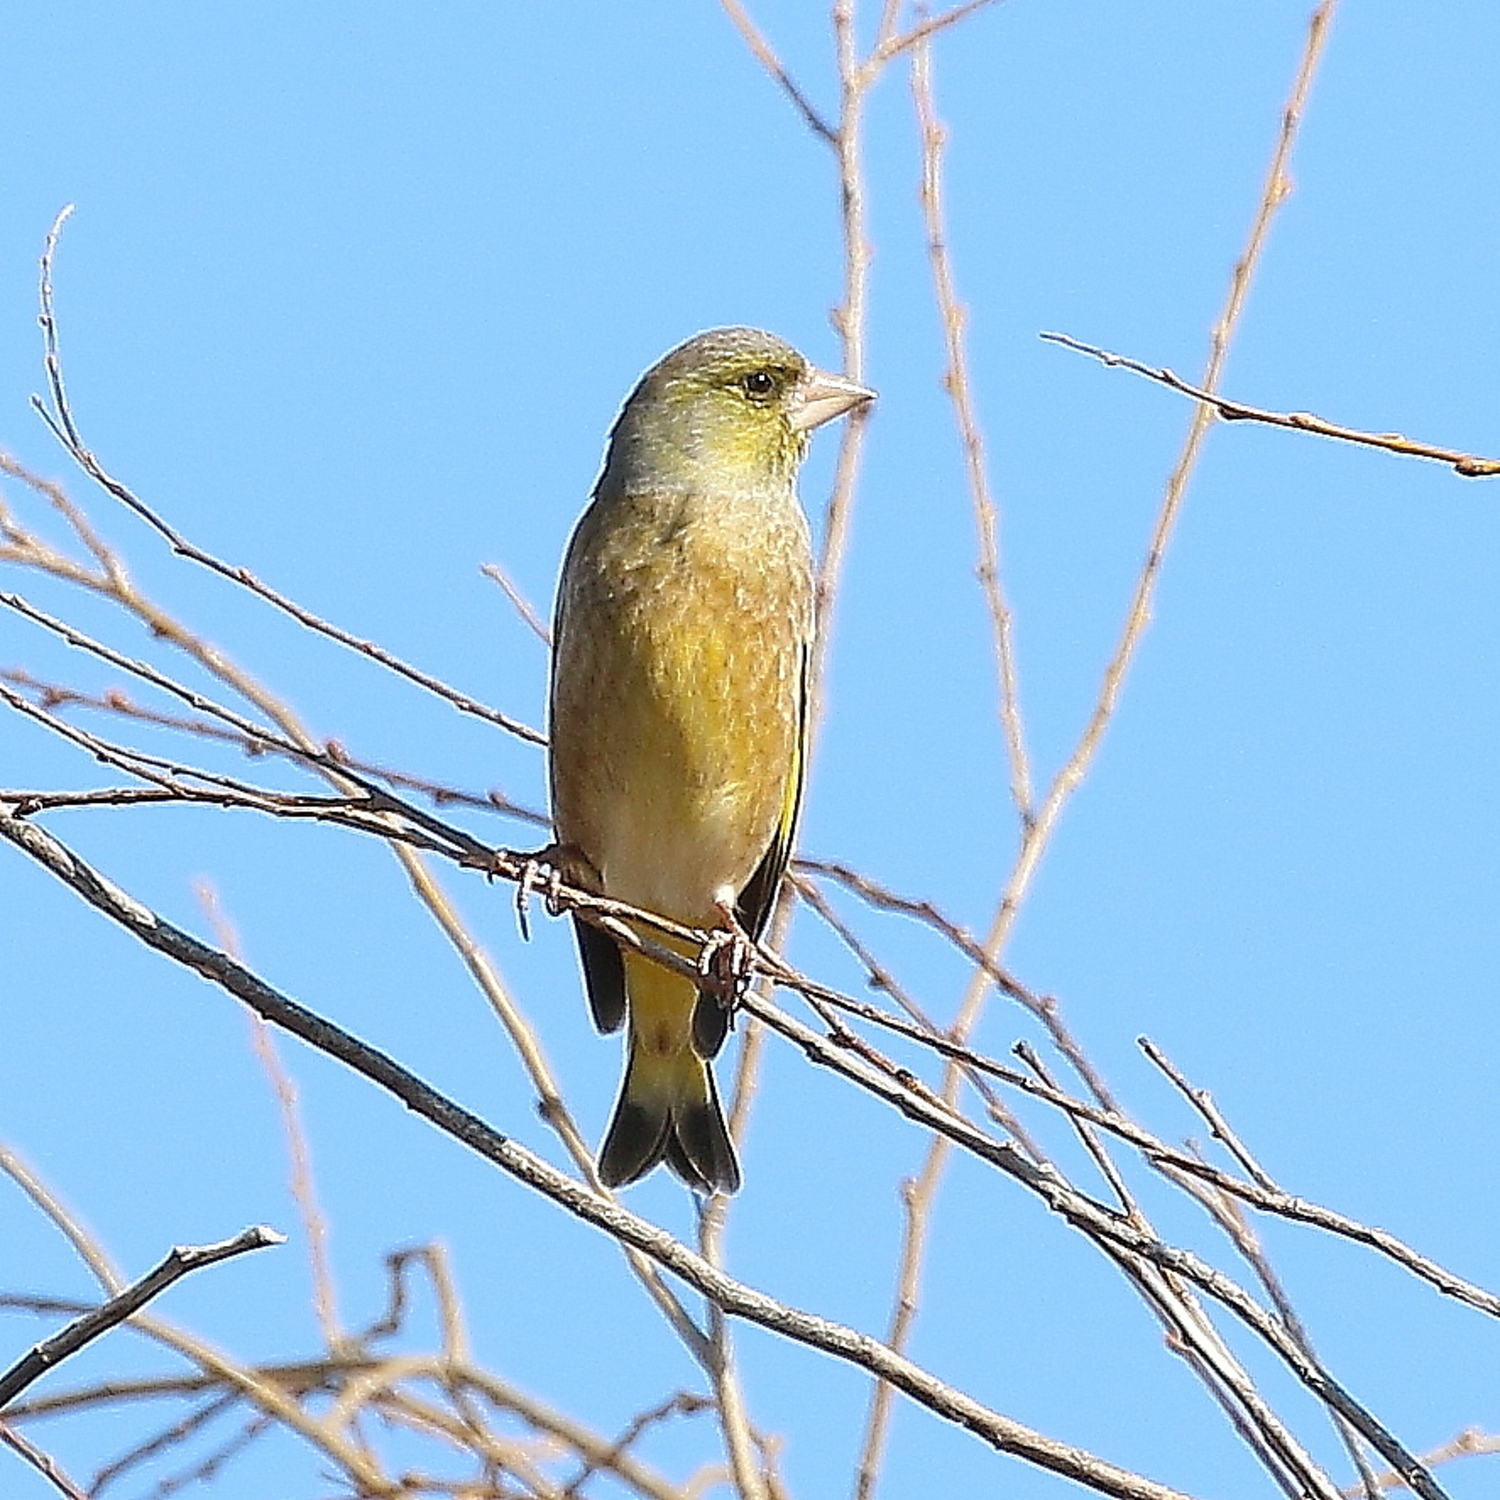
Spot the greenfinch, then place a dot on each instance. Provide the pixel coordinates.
(678, 714)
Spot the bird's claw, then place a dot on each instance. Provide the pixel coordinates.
(539, 872)
(727, 960)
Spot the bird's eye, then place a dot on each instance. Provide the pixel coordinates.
(759, 384)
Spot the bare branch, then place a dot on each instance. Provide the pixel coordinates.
(1469, 465)
(956, 383)
(761, 49)
(59, 417)
(734, 1297)
(43, 1463)
(519, 602)
(180, 1260)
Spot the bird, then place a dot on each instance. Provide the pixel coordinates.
(678, 708)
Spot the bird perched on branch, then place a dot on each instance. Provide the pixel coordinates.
(679, 709)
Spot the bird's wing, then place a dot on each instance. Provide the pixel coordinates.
(603, 975)
(756, 900)
(759, 895)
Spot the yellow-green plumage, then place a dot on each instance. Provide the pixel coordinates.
(678, 711)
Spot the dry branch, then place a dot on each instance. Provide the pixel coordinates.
(734, 1297)
(1469, 465)
(179, 1262)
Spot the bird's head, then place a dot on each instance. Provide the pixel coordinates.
(734, 404)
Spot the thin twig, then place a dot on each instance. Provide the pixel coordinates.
(850, 321)
(1230, 1217)
(111, 568)
(1469, 465)
(1087, 1134)
(917, 1197)
(59, 418)
(174, 782)
(521, 604)
(299, 1150)
(1468, 1444)
(1202, 1101)
(160, 1442)
(43, 1463)
(179, 1262)
(893, 47)
(320, 1378)
(956, 382)
(683, 1404)
(729, 1393)
(763, 53)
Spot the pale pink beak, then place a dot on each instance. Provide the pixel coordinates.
(819, 397)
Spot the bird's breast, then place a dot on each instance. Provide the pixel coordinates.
(676, 707)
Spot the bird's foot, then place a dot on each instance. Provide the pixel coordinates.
(543, 871)
(727, 960)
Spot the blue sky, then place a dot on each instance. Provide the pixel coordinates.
(351, 296)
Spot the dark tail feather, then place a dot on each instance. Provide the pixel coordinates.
(635, 1141)
(688, 1134)
(699, 1149)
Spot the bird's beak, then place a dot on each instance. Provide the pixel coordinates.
(819, 397)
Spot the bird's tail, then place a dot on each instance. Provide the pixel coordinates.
(668, 1109)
